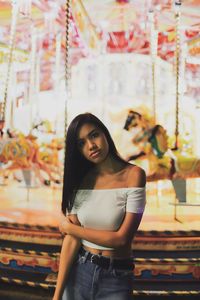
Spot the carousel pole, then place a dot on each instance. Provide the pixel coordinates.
(27, 173)
(67, 75)
(37, 86)
(153, 43)
(57, 88)
(177, 69)
(32, 87)
(13, 100)
(57, 64)
(57, 76)
(3, 106)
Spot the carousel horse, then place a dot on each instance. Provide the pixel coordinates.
(19, 152)
(49, 153)
(150, 140)
(152, 147)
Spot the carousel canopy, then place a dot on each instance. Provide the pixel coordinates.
(96, 27)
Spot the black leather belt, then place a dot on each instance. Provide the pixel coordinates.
(106, 262)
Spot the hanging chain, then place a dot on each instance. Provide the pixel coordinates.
(177, 64)
(10, 58)
(67, 63)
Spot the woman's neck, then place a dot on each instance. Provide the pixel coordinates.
(109, 166)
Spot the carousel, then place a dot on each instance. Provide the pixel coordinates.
(134, 64)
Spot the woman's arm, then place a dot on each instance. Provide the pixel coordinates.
(68, 253)
(127, 230)
(105, 238)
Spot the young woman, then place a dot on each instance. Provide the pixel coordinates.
(104, 199)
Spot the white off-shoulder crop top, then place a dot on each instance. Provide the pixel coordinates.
(105, 209)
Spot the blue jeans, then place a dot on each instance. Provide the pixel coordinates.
(88, 281)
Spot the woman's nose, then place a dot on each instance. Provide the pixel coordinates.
(91, 144)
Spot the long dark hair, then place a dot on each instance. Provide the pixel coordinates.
(76, 165)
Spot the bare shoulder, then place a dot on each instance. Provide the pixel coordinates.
(136, 177)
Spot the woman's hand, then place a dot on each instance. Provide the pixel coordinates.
(64, 225)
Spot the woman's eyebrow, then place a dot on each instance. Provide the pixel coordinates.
(88, 135)
(92, 131)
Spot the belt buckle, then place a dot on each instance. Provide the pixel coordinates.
(94, 258)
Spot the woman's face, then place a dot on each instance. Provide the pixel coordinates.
(92, 143)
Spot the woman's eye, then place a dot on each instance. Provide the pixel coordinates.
(80, 144)
(95, 134)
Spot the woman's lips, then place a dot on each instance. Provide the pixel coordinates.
(95, 154)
